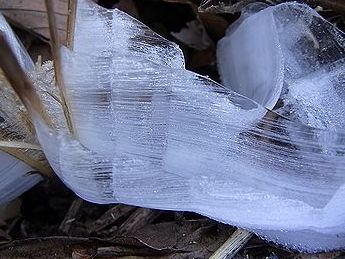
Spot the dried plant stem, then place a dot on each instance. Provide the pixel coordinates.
(54, 43)
(231, 247)
(72, 8)
(18, 144)
(20, 81)
(71, 216)
(42, 168)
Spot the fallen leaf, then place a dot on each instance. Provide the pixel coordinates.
(31, 15)
(194, 35)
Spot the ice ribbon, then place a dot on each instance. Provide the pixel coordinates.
(153, 134)
(290, 53)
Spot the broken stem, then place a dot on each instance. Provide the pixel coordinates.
(72, 8)
(54, 43)
(234, 244)
(19, 144)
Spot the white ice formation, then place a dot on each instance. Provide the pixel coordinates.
(290, 53)
(152, 134)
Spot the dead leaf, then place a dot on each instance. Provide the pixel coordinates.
(215, 25)
(65, 247)
(194, 236)
(194, 35)
(200, 58)
(128, 6)
(10, 210)
(31, 15)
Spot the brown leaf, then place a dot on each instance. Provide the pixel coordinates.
(194, 236)
(129, 7)
(215, 24)
(65, 247)
(194, 35)
(31, 15)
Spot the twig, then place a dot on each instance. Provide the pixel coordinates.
(54, 43)
(72, 215)
(139, 218)
(19, 144)
(72, 8)
(110, 217)
(231, 247)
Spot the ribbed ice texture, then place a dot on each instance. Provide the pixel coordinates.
(15, 125)
(153, 134)
(289, 52)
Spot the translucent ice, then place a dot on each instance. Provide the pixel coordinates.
(291, 53)
(153, 134)
(250, 58)
(287, 52)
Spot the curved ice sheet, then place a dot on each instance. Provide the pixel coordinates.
(250, 59)
(152, 134)
(294, 55)
(288, 52)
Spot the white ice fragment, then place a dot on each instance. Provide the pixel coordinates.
(290, 45)
(152, 134)
(308, 79)
(250, 59)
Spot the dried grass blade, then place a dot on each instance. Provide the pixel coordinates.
(54, 43)
(19, 144)
(72, 8)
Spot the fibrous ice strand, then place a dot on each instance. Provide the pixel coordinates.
(291, 54)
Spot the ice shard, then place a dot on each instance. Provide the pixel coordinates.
(290, 53)
(152, 134)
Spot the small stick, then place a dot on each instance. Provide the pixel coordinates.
(19, 144)
(231, 246)
(138, 219)
(54, 44)
(71, 216)
(20, 82)
(72, 9)
(110, 217)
